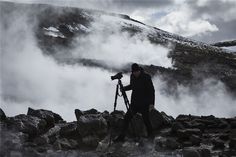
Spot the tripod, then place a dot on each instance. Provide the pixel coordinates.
(123, 93)
(126, 101)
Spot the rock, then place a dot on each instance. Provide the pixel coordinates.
(218, 144)
(233, 124)
(176, 126)
(90, 141)
(41, 140)
(2, 115)
(210, 117)
(115, 121)
(191, 152)
(197, 125)
(159, 120)
(69, 130)
(11, 141)
(79, 113)
(189, 118)
(232, 143)
(52, 134)
(224, 137)
(218, 124)
(92, 124)
(168, 120)
(28, 124)
(186, 133)
(105, 115)
(50, 117)
(161, 143)
(65, 144)
(186, 143)
(223, 124)
(91, 111)
(195, 140)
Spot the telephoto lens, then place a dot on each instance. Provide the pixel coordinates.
(117, 76)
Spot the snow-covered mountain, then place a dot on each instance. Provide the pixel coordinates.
(61, 30)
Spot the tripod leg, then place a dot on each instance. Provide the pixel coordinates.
(115, 104)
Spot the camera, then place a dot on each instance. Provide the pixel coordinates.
(117, 76)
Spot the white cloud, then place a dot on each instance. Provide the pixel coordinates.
(31, 79)
(180, 22)
(212, 99)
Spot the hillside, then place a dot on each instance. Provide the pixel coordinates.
(57, 28)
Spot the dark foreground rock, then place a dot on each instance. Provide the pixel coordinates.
(44, 133)
(2, 115)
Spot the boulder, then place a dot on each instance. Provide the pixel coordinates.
(51, 135)
(233, 124)
(91, 111)
(69, 130)
(2, 115)
(224, 137)
(162, 143)
(196, 124)
(189, 117)
(191, 152)
(105, 115)
(115, 121)
(218, 144)
(79, 113)
(11, 141)
(92, 124)
(90, 141)
(232, 143)
(41, 140)
(28, 124)
(232, 133)
(50, 117)
(65, 144)
(186, 133)
(176, 126)
(195, 140)
(159, 120)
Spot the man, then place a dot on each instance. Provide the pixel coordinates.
(142, 99)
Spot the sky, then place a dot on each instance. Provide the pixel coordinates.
(203, 20)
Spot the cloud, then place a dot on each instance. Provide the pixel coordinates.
(31, 79)
(108, 43)
(212, 98)
(181, 22)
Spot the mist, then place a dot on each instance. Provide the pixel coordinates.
(29, 78)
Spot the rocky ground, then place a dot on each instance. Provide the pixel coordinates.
(44, 133)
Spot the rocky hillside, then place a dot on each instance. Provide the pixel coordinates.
(44, 133)
(58, 27)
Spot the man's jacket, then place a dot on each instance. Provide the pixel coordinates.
(143, 92)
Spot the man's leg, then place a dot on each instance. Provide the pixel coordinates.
(145, 115)
(128, 116)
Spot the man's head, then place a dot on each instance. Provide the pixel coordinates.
(136, 70)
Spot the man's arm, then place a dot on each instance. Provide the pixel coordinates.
(129, 87)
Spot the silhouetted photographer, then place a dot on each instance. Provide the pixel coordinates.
(142, 99)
